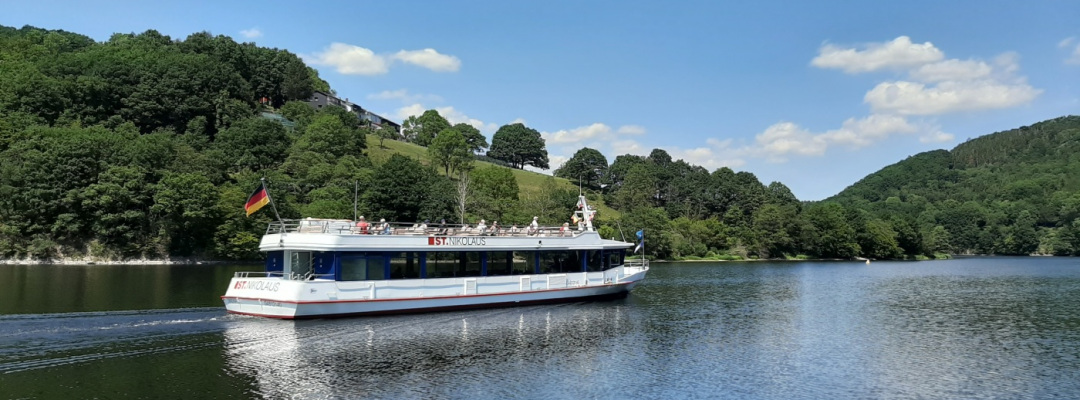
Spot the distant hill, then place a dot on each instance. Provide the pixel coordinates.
(987, 191)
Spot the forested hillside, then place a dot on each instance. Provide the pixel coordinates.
(1011, 192)
(146, 146)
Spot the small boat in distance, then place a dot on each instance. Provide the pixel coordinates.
(326, 267)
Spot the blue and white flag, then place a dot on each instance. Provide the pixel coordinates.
(641, 240)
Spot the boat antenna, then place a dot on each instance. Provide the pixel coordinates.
(355, 199)
(263, 180)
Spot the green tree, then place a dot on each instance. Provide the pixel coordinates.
(428, 125)
(497, 190)
(476, 141)
(385, 132)
(587, 166)
(402, 189)
(520, 146)
(450, 151)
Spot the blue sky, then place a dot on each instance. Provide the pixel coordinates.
(814, 95)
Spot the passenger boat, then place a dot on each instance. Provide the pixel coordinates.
(326, 267)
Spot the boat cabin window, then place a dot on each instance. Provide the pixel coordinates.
(524, 262)
(404, 265)
(560, 261)
(594, 260)
(300, 263)
(499, 263)
(445, 264)
(614, 258)
(363, 267)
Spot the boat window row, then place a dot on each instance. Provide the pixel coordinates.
(361, 266)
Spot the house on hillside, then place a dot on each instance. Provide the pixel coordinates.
(323, 99)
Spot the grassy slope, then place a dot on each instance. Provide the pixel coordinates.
(528, 182)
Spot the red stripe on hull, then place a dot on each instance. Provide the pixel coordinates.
(418, 298)
(616, 295)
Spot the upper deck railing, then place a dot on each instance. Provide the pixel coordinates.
(349, 227)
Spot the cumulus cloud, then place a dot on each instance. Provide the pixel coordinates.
(430, 59)
(785, 139)
(951, 70)
(1074, 50)
(350, 60)
(355, 60)
(898, 53)
(251, 33)
(452, 115)
(577, 135)
(631, 130)
(913, 98)
(936, 85)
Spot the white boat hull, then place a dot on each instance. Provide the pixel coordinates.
(288, 299)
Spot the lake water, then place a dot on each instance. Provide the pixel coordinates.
(969, 328)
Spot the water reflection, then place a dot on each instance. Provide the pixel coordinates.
(438, 354)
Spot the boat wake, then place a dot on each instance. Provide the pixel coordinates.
(35, 341)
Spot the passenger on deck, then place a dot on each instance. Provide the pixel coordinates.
(534, 227)
(481, 228)
(384, 228)
(362, 226)
(564, 229)
(494, 228)
(514, 230)
(442, 227)
(423, 227)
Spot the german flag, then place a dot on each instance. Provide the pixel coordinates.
(257, 200)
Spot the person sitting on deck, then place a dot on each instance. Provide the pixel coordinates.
(442, 227)
(563, 230)
(514, 230)
(494, 228)
(534, 227)
(384, 228)
(481, 228)
(423, 227)
(362, 226)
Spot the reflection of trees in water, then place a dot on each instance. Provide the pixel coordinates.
(429, 353)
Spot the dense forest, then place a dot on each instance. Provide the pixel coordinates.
(1012, 192)
(145, 146)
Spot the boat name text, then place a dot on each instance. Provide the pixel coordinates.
(257, 285)
(456, 241)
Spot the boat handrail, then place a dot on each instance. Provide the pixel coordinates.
(279, 274)
(349, 227)
(636, 263)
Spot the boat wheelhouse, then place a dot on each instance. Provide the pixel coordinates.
(324, 267)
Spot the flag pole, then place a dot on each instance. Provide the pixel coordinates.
(271, 199)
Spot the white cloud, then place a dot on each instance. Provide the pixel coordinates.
(577, 135)
(452, 115)
(898, 53)
(857, 133)
(936, 136)
(952, 70)
(251, 33)
(1074, 51)
(355, 60)
(430, 59)
(350, 60)
(784, 138)
(620, 147)
(554, 162)
(517, 121)
(631, 130)
(913, 98)
(404, 96)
